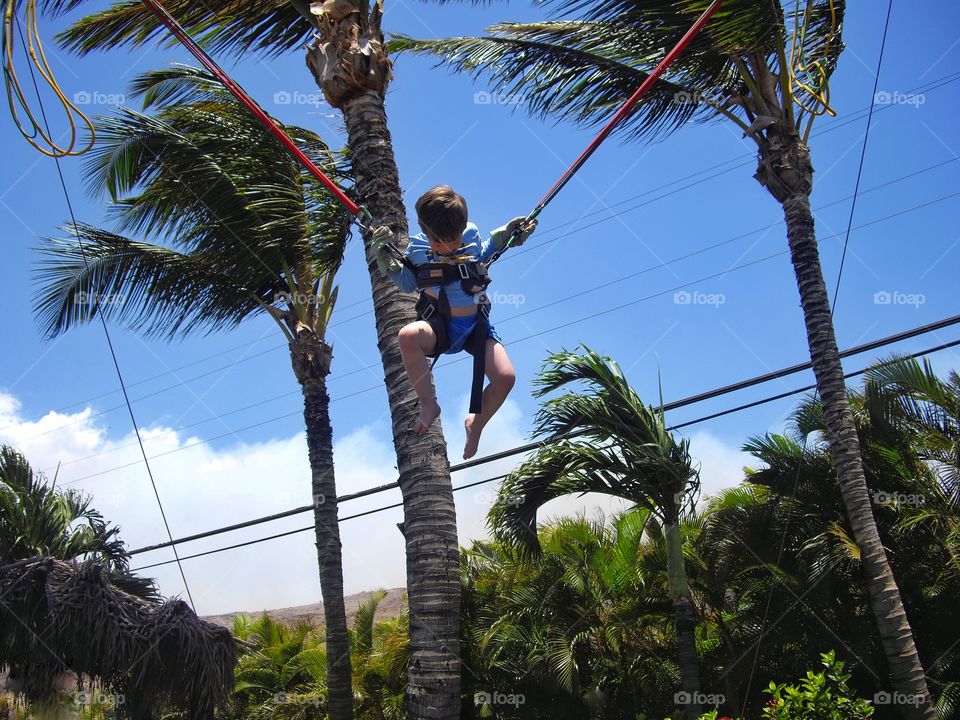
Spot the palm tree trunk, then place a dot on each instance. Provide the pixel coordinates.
(430, 524)
(732, 700)
(684, 620)
(786, 171)
(311, 361)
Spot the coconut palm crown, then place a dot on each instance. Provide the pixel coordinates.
(347, 59)
(243, 230)
(764, 65)
(604, 439)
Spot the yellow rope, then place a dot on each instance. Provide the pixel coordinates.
(815, 72)
(29, 127)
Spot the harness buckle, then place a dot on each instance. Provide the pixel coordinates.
(464, 272)
(428, 311)
(483, 305)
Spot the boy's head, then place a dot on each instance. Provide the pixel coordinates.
(443, 216)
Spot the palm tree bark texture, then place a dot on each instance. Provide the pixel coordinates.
(743, 68)
(351, 66)
(311, 359)
(786, 170)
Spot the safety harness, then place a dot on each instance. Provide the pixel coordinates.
(435, 311)
(473, 275)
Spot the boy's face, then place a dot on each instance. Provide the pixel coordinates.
(442, 246)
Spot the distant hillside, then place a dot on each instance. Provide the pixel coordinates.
(391, 606)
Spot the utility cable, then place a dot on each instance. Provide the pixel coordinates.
(532, 336)
(863, 154)
(370, 366)
(106, 332)
(688, 423)
(668, 407)
(530, 247)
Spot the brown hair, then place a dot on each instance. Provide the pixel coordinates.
(442, 212)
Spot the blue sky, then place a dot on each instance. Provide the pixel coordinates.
(631, 211)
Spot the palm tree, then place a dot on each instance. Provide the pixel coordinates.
(349, 61)
(37, 520)
(282, 673)
(908, 400)
(784, 535)
(381, 652)
(622, 449)
(766, 70)
(248, 232)
(72, 612)
(578, 630)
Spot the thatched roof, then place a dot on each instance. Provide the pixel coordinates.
(58, 617)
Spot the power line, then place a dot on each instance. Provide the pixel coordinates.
(688, 423)
(300, 530)
(527, 312)
(740, 160)
(863, 155)
(856, 192)
(570, 323)
(833, 307)
(675, 405)
(98, 309)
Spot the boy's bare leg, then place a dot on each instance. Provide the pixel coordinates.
(416, 340)
(500, 372)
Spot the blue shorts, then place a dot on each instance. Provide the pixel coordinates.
(459, 330)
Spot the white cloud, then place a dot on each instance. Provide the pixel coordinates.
(205, 487)
(721, 465)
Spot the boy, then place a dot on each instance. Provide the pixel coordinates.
(442, 262)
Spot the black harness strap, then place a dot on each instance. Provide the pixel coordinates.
(477, 346)
(436, 313)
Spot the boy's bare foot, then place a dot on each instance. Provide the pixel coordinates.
(473, 436)
(428, 413)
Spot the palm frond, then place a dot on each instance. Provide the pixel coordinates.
(177, 85)
(153, 289)
(363, 622)
(271, 27)
(151, 654)
(249, 227)
(572, 70)
(39, 520)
